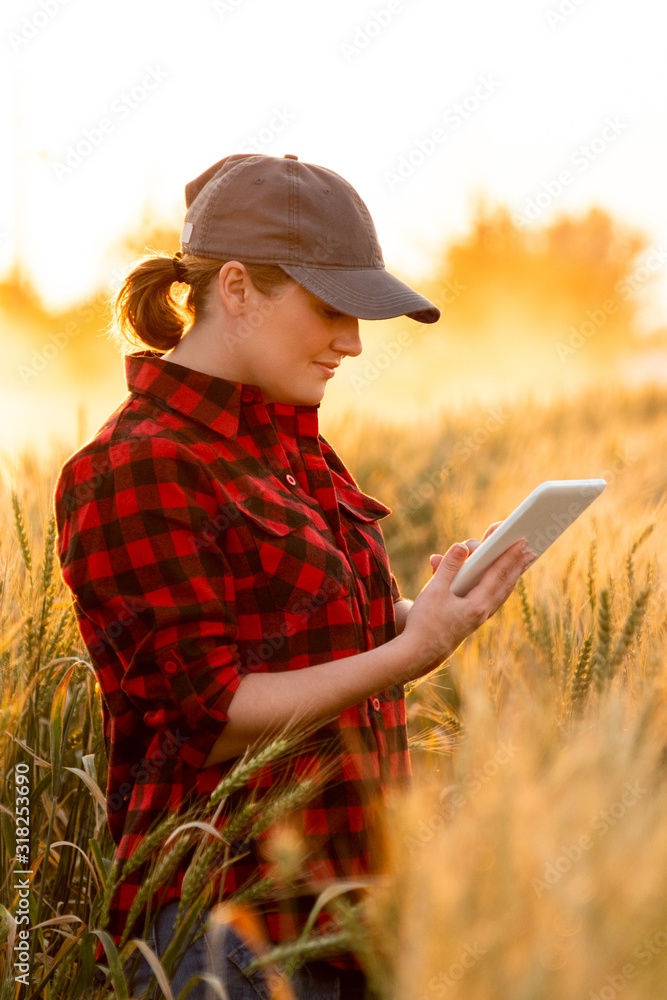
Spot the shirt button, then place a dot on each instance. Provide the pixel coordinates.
(291, 480)
(171, 666)
(248, 396)
(375, 702)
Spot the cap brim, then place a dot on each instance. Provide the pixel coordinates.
(367, 293)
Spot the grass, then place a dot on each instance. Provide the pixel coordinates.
(529, 858)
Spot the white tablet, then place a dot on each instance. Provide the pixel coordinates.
(543, 516)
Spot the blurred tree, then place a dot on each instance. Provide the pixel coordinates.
(20, 299)
(149, 236)
(562, 283)
(553, 288)
(74, 342)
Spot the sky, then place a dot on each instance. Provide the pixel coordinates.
(423, 105)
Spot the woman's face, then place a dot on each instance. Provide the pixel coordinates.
(291, 343)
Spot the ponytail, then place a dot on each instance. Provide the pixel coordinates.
(149, 314)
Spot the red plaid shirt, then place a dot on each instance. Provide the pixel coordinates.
(205, 534)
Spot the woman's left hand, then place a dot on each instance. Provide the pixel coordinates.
(402, 607)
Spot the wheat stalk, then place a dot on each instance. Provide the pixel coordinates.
(591, 576)
(247, 767)
(158, 878)
(147, 847)
(581, 675)
(527, 610)
(22, 534)
(600, 660)
(630, 628)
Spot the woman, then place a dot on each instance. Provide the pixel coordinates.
(229, 576)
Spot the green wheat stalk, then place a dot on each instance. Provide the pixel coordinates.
(581, 675)
(118, 873)
(22, 534)
(630, 628)
(305, 951)
(567, 575)
(568, 644)
(159, 876)
(48, 586)
(527, 610)
(646, 533)
(282, 806)
(545, 639)
(245, 769)
(600, 662)
(56, 640)
(591, 576)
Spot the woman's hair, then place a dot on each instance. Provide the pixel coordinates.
(146, 309)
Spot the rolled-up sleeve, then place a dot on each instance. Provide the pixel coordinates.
(154, 592)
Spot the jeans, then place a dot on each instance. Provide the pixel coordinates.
(224, 954)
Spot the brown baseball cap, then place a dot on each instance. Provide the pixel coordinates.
(277, 210)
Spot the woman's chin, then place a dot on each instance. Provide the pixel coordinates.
(302, 396)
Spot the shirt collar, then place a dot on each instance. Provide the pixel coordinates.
(213, 401)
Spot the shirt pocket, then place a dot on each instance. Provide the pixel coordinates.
(365, 540)
(299, 564)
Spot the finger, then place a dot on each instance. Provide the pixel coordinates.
(435, 561)
(471, 544)
(451, 562)
(491, 528)
(501, 577)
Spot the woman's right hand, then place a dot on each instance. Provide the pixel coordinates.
(439, 621)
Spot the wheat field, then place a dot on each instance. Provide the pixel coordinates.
(529, 859)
